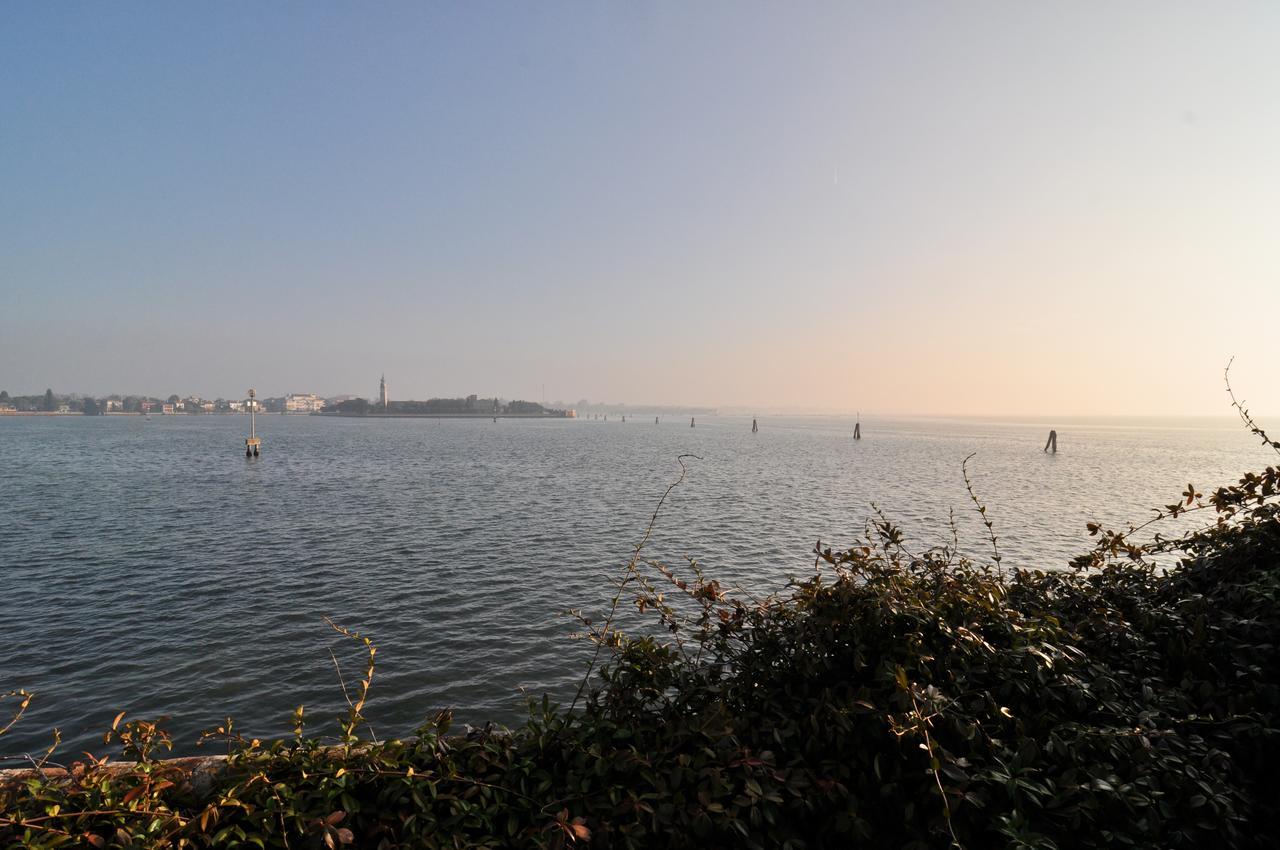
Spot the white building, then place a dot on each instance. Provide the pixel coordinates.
(303, 403)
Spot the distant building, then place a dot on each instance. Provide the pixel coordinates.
(112, 405)
(382, 393)
(166, 408)
(236, 405)
(303, 403)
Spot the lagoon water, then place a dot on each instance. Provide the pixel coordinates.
(146, 565)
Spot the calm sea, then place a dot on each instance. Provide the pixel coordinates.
(147, 565)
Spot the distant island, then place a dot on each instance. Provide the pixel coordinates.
(53, 404)
(470, 407)
(50, 403)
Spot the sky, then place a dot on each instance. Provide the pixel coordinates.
(967, 208)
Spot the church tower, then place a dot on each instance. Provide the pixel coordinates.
(382, 392)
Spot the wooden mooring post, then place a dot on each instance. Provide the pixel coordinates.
(1052, 442)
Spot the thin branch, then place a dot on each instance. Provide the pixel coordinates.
(1244, 412)
(22, 707)
(955, 535)
(338, 669)
(937, 774)
(982, 511)
(628, 573)
(1112, 541)
(354, 715)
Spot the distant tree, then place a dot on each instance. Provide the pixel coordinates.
(132, 404)
(49, 402)
(90, 407)
(4, 395)
(174, 399)
(355, 405)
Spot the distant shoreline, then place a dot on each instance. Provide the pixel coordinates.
(442, 415)
(77, 414)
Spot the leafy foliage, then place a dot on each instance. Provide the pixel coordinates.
(892, 699)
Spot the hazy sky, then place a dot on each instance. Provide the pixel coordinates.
(938, 208)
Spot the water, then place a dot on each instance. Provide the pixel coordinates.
(147, 565)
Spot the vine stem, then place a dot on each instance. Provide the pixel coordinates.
(982, 511)
(628, 573)
(25, 697)
(937, 776)
(1243, 411)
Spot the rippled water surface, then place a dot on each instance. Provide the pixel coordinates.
(147, 565)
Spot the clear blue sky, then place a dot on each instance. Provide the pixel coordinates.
(965, 208)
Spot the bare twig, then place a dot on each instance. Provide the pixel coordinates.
(1112, 542)
(628, 574)
(25, 697)
(341, 683)
(890, 534)
(982, 511)
(37, 764)
(1244, 411)
(955, 536)
(354, 714)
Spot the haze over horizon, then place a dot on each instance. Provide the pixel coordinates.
(978, 209)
